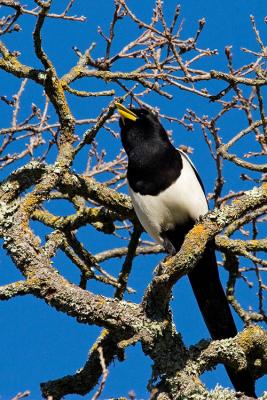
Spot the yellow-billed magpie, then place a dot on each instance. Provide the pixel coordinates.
(168, 197)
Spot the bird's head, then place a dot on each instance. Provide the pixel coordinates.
(139, 126)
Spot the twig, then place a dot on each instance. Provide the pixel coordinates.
(104, 375)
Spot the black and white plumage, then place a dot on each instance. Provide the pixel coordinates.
(165, 211)
(168, 197)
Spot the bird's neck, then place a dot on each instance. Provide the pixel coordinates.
(152, 169)
(148, 153)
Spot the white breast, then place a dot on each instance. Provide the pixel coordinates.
(182, 201)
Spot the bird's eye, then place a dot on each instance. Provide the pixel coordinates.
(143, 113)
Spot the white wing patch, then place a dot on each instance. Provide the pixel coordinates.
(184, 200)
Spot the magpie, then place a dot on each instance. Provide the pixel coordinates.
(168, 197)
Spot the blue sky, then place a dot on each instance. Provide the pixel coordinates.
(37, 342)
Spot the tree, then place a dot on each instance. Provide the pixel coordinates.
(38, 155)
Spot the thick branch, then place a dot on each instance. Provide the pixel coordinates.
(195, 242)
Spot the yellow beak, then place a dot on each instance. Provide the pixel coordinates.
(125, 112)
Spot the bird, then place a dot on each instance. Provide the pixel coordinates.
(168, 197)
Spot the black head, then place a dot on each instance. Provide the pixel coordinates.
(140, 127)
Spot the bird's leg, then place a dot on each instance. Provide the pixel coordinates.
(167, 244)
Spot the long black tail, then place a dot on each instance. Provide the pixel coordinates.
(206, 284)
(213, 304)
